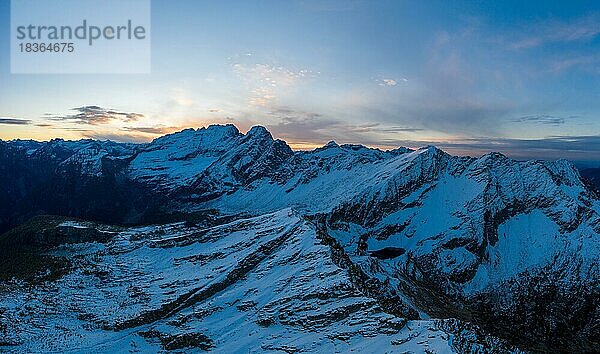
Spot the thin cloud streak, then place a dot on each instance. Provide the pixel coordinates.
(15, 121)
(581, 29)
(95, 115)
(153, 130)
(545, 119)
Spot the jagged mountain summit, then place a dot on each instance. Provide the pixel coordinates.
(509, 250)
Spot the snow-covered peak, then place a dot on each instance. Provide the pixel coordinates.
(204, 137)
(429, 151)
(218, 154)
(331, 144)
(177, 159)
(260, 132)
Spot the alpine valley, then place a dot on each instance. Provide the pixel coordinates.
(214, 240)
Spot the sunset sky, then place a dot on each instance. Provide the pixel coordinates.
(520, 77)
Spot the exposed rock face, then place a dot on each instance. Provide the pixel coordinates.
(510, 246)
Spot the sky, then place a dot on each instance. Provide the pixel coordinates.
(519, 77)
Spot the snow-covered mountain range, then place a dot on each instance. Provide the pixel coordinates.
(337, 249)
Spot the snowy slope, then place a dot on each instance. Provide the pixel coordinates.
(265, 284)
(450, 213)
(176, 159)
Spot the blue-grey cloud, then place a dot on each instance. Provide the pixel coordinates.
(95, 115)
(14, 121)
(545, 119)
(303, 126)
(436, 113)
